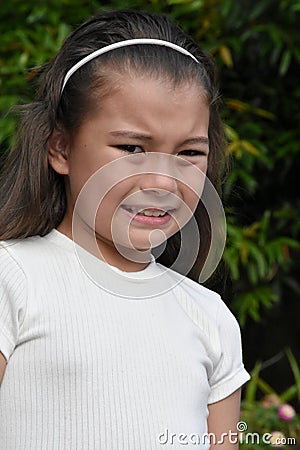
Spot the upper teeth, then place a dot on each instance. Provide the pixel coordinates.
(148, 212)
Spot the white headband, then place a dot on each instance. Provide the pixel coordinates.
(125, 43)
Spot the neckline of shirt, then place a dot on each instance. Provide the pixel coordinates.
(69, 244)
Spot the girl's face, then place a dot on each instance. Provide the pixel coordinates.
(150, 141)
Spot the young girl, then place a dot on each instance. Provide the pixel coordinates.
(102, 347)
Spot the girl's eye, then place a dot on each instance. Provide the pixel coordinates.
(130, 148)
(192, 153)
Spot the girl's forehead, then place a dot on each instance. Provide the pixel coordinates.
(143, 80)
(140, 90)
(150, 107)
(146, 97)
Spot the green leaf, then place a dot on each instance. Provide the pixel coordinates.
(285, 62)
(252, 385)
(295, 369)
(264, 387)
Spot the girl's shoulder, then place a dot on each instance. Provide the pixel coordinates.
(9, 251)
(205, 307)
(31, 250)
(19, 250)
(29, 260)
(195, 294)
(10, 245)
(219, 333)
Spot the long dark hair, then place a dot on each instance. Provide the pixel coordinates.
(32, 194)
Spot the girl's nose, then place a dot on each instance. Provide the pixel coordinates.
(159, 174)
(158, 184)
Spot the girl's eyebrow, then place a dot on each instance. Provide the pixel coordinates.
(196, 140)
(131, 134)
(146, 137)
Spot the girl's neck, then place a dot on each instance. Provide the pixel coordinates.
(132, 262)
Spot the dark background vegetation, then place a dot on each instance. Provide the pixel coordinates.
(256, 45)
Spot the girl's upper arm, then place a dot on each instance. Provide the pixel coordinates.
(222, 422)
(2, 366)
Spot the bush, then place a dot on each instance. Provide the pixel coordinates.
(270, 420)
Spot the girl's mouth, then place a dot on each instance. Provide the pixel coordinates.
(149, 216)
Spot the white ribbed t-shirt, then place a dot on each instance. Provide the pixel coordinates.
(102, 359)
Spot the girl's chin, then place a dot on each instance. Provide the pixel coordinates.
(140, 247)
(148, 240)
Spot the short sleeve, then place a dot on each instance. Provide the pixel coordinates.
(12, 301)
(229, 373)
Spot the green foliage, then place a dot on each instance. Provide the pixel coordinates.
(257, 48)
(265, 412)
(254, 255)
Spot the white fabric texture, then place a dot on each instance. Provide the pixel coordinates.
(88, 369)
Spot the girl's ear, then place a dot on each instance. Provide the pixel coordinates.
(58, 152)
